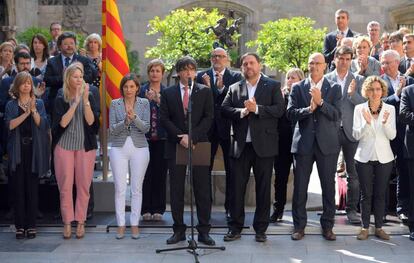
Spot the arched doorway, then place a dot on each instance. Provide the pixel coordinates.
(3, 19)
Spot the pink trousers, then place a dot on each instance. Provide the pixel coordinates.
(74, 167)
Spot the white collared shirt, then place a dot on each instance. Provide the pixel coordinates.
(340, 81)
(345, 31)
(182, 90)
(63, 57)
(317, 85)
(251, 90)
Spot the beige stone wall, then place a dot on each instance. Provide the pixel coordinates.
(136, 14)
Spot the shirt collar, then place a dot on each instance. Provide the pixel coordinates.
(249, 85)
(317, 85)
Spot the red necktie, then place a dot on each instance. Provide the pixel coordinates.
(185, 99)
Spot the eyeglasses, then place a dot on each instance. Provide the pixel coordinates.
(218, 56)
(316, 63)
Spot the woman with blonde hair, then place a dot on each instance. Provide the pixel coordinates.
(6, 59)
(363, 63)
(74, 129)
(93, 50)
(284, 160)
(28, 149)
(374, 128)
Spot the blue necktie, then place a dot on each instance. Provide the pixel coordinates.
(67, 60)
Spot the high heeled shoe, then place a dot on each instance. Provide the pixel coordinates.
(134, 232)
(67, 231)
(80, 230)
(120, 232)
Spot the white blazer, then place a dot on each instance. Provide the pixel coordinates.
(376, 137)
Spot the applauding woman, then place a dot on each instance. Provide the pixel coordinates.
(374, 127)
(75, 126)
(129, 120)
(28, 151)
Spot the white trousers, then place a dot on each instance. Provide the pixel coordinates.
(138, 159)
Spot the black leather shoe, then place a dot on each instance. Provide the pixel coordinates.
(231, 236)
(412, 236)
(175, 238)
(403, 217)
(298, 234)
(228, 215)
(328, 234)
(276, 216)
(206, 239)
(261, 237)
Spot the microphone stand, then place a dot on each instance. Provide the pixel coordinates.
(192, 244)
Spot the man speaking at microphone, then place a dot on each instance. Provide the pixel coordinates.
(174, 118)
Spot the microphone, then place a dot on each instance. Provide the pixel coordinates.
(190, 83)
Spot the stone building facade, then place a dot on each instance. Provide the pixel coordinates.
(85, 15)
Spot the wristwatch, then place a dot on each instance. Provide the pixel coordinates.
(88, 104)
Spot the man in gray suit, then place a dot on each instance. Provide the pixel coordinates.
(314, 105)
(351, 84)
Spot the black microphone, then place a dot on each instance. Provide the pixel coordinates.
(190, 83)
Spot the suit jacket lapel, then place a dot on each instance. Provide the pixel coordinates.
(259, 88)
(306, 90)
(325, 87)
(348, 80)
(211, 74)
(244, 95)
(179, 99)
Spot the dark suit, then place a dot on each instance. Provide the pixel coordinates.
(347, 141)
(315, 138)
(54, 73)
(175, 123)
(329, 45)
(404, 66)
(406, 117)
(219, 133)
(259, 153)
(397, 145)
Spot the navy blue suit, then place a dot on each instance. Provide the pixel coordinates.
(315, 138)
(330, 45)
(397, 145)
(219, 133)
(406, 117)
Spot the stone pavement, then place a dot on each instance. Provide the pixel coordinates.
(103, 247)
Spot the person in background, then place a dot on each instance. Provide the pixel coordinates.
(93, 48)
(363, 64)
(55, 32)
(154, 188)
(28, 150)
(284, 160)
(40, 54)
(129, 120)
(75, 126)
(374, 128)
(6, 59)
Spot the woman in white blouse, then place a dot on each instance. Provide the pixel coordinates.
(374, 127)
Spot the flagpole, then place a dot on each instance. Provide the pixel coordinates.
(104, 132)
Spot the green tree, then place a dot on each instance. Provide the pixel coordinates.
(133, 58)
(287, 43)
(183, 32)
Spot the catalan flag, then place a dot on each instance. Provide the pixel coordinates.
(114, 55)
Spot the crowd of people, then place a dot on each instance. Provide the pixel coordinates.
(357, 100)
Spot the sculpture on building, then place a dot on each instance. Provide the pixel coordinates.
(224, 33)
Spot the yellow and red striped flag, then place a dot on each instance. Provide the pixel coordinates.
(114, 55)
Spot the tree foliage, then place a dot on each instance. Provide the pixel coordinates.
(287, 43)
(183, 32)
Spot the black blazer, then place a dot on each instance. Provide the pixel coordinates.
(175, 121)
(54, 72)
(398, 141)
(329, 45)
(321, 126)
(221, 126)
(264, 125)
(406, 117)
(403, 66)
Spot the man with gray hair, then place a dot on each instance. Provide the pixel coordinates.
(219, 78)
(390, 60)
(374, 29)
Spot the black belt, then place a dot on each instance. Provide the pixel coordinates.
(26, 140)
